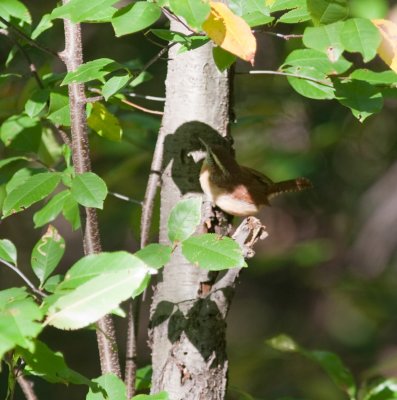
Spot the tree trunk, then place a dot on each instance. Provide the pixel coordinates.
(188, 325)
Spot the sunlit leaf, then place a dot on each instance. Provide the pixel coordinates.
(375, 78)
(114, 84)
(35, 188)
(194, 12)
(36, 103)
(135, 17)
(82, 10)
(51, 210)
(154, 255)
(47, 253)
(184, 218)
(8, 251)
(89, 190)
(325, 12)
(104, 123)
(91, 70)
(113, 386)
(19, 316)
(213, 252)
(230, 32)
(15, 9)
(360, 35)
(59, 111)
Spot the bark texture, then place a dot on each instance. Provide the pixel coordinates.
(187, 324)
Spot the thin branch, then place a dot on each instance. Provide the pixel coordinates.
(146, 97)
(279, 35)
(281, 73)
(32, 42)
(125, 198)
(25, 279)
(138, 107)
(73, 58)
(27, 388)
(171, 15)
(94, 99)
(28, 60)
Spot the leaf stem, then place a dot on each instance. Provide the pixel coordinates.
(282, 73)
(24, 277)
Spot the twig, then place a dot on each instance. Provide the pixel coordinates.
(143, 96)
(125, 198)
(73, 58)
(171, 15)
(281, 73)
(29, 61)
(279, 35)
(27, 281)
(27, 388)
(138, 107)
(94, 99)
(32, 42)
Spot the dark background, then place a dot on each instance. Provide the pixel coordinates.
(326, 275)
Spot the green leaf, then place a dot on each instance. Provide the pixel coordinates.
(223, 59)
(89, 190)
(82, 10)
(335, 369)
(362, 98)
(281, 5)
(19, 316)
(283, 343)
(8, 251)
(325, 38)
(325, 12)
(36, 103)
(360, 35)
(96, 298)
(44, 24)
(318, 61)
(369, 9)
(295, 16)
(15, 9)
(59, 111)
(21, 133)
(49, 365)
(384, 390)
(113, 386)
(310, 83)
(213, 252)
(135, 17)
(330, 362)
(155, 255)
(35, 188)
(195, 12)
(144, 378)
(93, 265)
(10, 160)
(71, 212)
(21, 176)
(375, 78)
(47, 253)
(91, 70)
(114, 85)
(157, 396)
(104, 123)
(184, 218)
(51, 210)
(254, 12)
(52, 282)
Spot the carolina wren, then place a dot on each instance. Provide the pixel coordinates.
(238, 190)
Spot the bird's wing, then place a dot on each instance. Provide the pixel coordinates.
(259, 176)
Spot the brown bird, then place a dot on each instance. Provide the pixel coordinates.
(239, 190)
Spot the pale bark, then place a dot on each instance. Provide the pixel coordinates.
(188, 327)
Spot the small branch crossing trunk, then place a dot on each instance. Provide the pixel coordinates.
(188, 324)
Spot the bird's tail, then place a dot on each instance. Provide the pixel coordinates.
(292, 185)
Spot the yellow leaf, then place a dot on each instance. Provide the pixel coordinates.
(230, 32)
(104, 123)
(388, 47)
